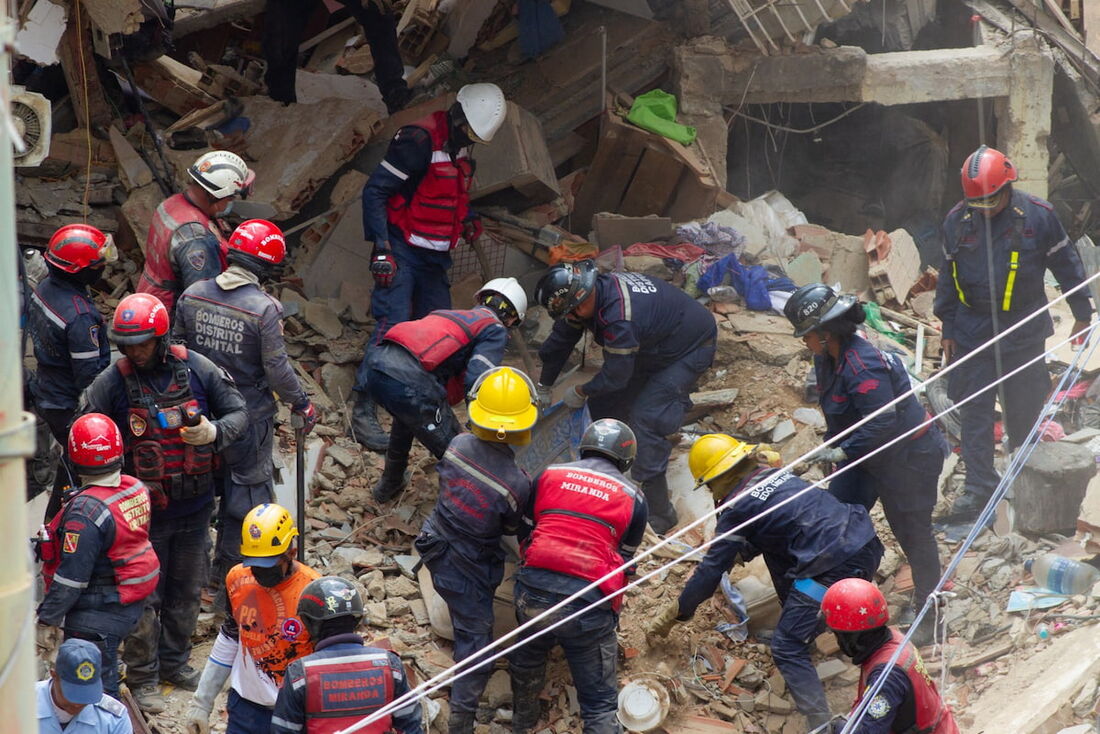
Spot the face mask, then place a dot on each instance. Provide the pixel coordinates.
(269, 577)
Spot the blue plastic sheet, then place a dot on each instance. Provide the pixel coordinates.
(555, 438)
(753, 282)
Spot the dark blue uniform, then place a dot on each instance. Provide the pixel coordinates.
(180, 533)
(422, 282)
(1024, 241)
(417, 399)
(69, 345)
(892, 705)
(84, 595)
(289, 716)
(814, 537)
(482, 497)
(905, 475)
(657, 341)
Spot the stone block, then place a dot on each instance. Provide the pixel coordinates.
(612, 229)
(517, 159)
(1048, 493)
(498, 691)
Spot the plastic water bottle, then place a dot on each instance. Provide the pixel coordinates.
(1062, 575)
(722, 294)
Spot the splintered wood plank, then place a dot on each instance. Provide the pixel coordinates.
(653, 184)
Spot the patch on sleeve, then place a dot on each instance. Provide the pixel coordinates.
(879, 707)
(197, 259)
(70, 543)
(867, 386)
(93, 334)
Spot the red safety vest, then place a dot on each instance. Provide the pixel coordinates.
(342, 690)
(135, 564)
(580, 518)
(160, 456)
(933, 716)
(433, 218)
(158, 277)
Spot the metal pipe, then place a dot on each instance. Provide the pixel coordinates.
(17, 675)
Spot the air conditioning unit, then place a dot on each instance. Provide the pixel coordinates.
(31, 112)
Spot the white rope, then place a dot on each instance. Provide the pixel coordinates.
(474, 661)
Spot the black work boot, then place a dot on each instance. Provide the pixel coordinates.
(461, 722)
(365, 427)
(966, 507)
(526, 687)
(662, 515)
(393, 478)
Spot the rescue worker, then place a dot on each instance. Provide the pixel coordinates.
(423, 367)
(261, 635)
(1021, 236)
(808, 543)
(72, 700)
(98, 565)
(854, 379)
(231, 320)
(482, 497)
(343, 680)
(855, 610)
(588, 521)
(177, 411)
(415, 210)
(657, 341)
(185, 244)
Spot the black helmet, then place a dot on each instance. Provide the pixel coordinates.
(329, 597)
(612, 439)
(812, 305)
(565, 286)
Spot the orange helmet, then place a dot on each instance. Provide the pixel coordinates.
(984, 174)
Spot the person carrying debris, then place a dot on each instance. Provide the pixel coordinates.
(184, 244)
(482, 497)
(657, 341)
(67, 330)
(423, 367)
(72, 699)
(1017, 236)
(415, 210)
(808, 540)
(855, 610)
(262, 634)
(231, 320)
(588, 521)
(343, 680)
(177, 411)
(854, 379)
(98, 565)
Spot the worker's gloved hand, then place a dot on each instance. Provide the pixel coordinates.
(383, 267)
(308, 414)
(198, 720)
(47, 638)
(574, 398)
(472, 229)
(662, 624)
(542, 393)
(201, 435)
(827, 455)
(211, 682)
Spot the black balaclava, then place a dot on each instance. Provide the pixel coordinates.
(458, 137)
(273, 576)
(262, 269)
(83, 278)
(859, 645)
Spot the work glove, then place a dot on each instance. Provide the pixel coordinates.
(827, 455)
(662, 624)
(198, 720)
(542, 394)
(574, 398)
(472, 229)
(308, 415)
(200, 435)
(47, 638)
(210, 685)
(383, 267)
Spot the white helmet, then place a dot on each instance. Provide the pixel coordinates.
(222, 174)
(507, 288)
(484, 107)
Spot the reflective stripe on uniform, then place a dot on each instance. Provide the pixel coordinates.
(1013, 266)
(48, 311)
(440, 245)
(395, 170)
(358, 658)
(1059, 246)
(958, 287)
(476, 472)
(147, 577)
(92, 354)
(59, 579)
(481, 358)
(619, 350)
(280, 721)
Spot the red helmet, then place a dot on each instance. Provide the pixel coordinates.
(138, 318)
(854, 605)
(259, 238)
(75, 247)
(985, 173)
(95, 444)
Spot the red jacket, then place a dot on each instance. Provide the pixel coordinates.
(159, 277)
(433, 218)
(933, 716)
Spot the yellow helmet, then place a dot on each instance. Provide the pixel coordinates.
(504, 407)
(266, 534)
(715, 455)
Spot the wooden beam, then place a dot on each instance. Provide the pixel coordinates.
(82, 76)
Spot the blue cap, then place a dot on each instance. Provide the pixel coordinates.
(78, 668)
(261, 561)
